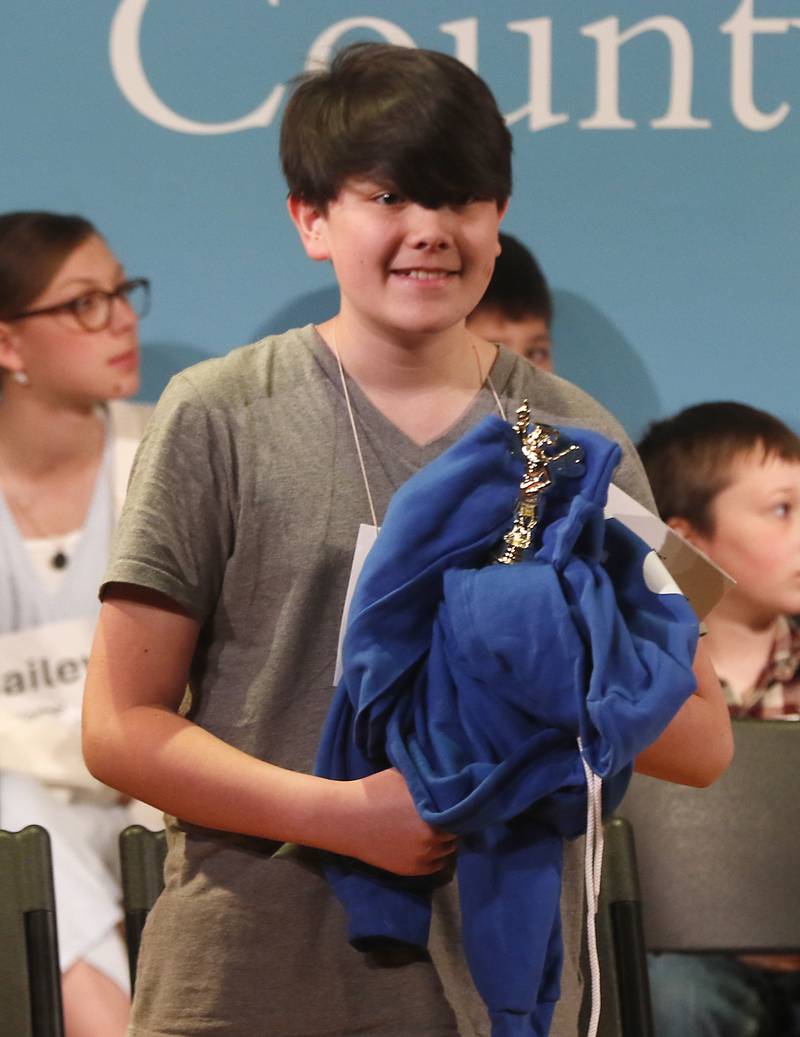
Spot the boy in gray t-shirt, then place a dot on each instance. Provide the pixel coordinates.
(232, 559)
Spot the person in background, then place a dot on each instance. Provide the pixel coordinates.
(517, 308)
(727, 477)
(69, 356)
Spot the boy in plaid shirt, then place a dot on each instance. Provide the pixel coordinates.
(727, 477)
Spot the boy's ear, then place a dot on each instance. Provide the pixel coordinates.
(685, 529)
(311, 224)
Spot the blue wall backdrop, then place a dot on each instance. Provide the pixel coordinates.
(657, 168)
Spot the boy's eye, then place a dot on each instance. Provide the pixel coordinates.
(781, 509)
(537, 354)
(387, 198)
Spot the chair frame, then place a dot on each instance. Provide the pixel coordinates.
(625, 990)
(142, 853)
(30, 974)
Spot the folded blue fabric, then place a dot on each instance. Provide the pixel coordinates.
(476, 680)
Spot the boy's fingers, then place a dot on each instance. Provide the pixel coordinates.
(444, 851)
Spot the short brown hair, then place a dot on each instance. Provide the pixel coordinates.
(518, 288)
(688, 457)
(417, 120)
(33, 245)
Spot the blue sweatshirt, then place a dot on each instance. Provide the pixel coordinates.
(476, 680)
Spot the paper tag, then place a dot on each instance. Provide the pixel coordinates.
(701, 581)
(366, 538)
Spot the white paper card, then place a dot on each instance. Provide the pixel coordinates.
(698, 577)
(366, 538)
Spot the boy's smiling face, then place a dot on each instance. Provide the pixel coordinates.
(403, 270)
(756, 533)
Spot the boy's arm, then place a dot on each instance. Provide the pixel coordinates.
(134, 740)
(697, 746)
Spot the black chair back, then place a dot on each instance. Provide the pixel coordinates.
(625, 992)
(30, 976)
(142, 854)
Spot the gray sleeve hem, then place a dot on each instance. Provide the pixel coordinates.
(140, 574)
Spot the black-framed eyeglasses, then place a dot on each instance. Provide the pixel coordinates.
(92, 310)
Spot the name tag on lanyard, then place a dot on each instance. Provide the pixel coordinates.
(366, 538)
(42, 673)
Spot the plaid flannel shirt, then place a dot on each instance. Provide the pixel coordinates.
(776, 695)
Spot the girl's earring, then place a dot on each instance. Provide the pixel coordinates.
(21, 378)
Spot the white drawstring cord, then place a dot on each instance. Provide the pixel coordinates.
(593, 863)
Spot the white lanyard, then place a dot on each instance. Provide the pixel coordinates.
(482, 379)
(353, 427)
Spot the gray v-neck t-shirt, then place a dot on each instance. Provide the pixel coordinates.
(244, 506)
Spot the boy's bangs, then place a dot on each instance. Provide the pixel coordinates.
(436, 177)
(427, 156)
(787, 448)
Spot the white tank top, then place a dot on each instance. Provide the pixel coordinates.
(28, 600)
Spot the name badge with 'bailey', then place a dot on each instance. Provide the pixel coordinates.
(42, 674)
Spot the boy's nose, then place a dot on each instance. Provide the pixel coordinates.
(428, 229)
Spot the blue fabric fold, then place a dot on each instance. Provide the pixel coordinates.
(476, 680)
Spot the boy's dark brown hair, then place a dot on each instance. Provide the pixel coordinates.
(33, 245)
(688, 457)
(416, 121)
(518, 288)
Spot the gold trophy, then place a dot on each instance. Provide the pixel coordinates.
(537, 442)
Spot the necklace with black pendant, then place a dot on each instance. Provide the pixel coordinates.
(59, 559)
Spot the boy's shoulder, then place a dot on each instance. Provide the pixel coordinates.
(571, 404)
(247, 373)
(556, 401)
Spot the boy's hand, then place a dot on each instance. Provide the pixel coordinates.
(389, 833)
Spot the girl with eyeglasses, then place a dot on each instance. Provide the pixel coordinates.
(69, 358)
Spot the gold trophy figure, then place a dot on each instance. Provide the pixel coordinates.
(537, 442)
